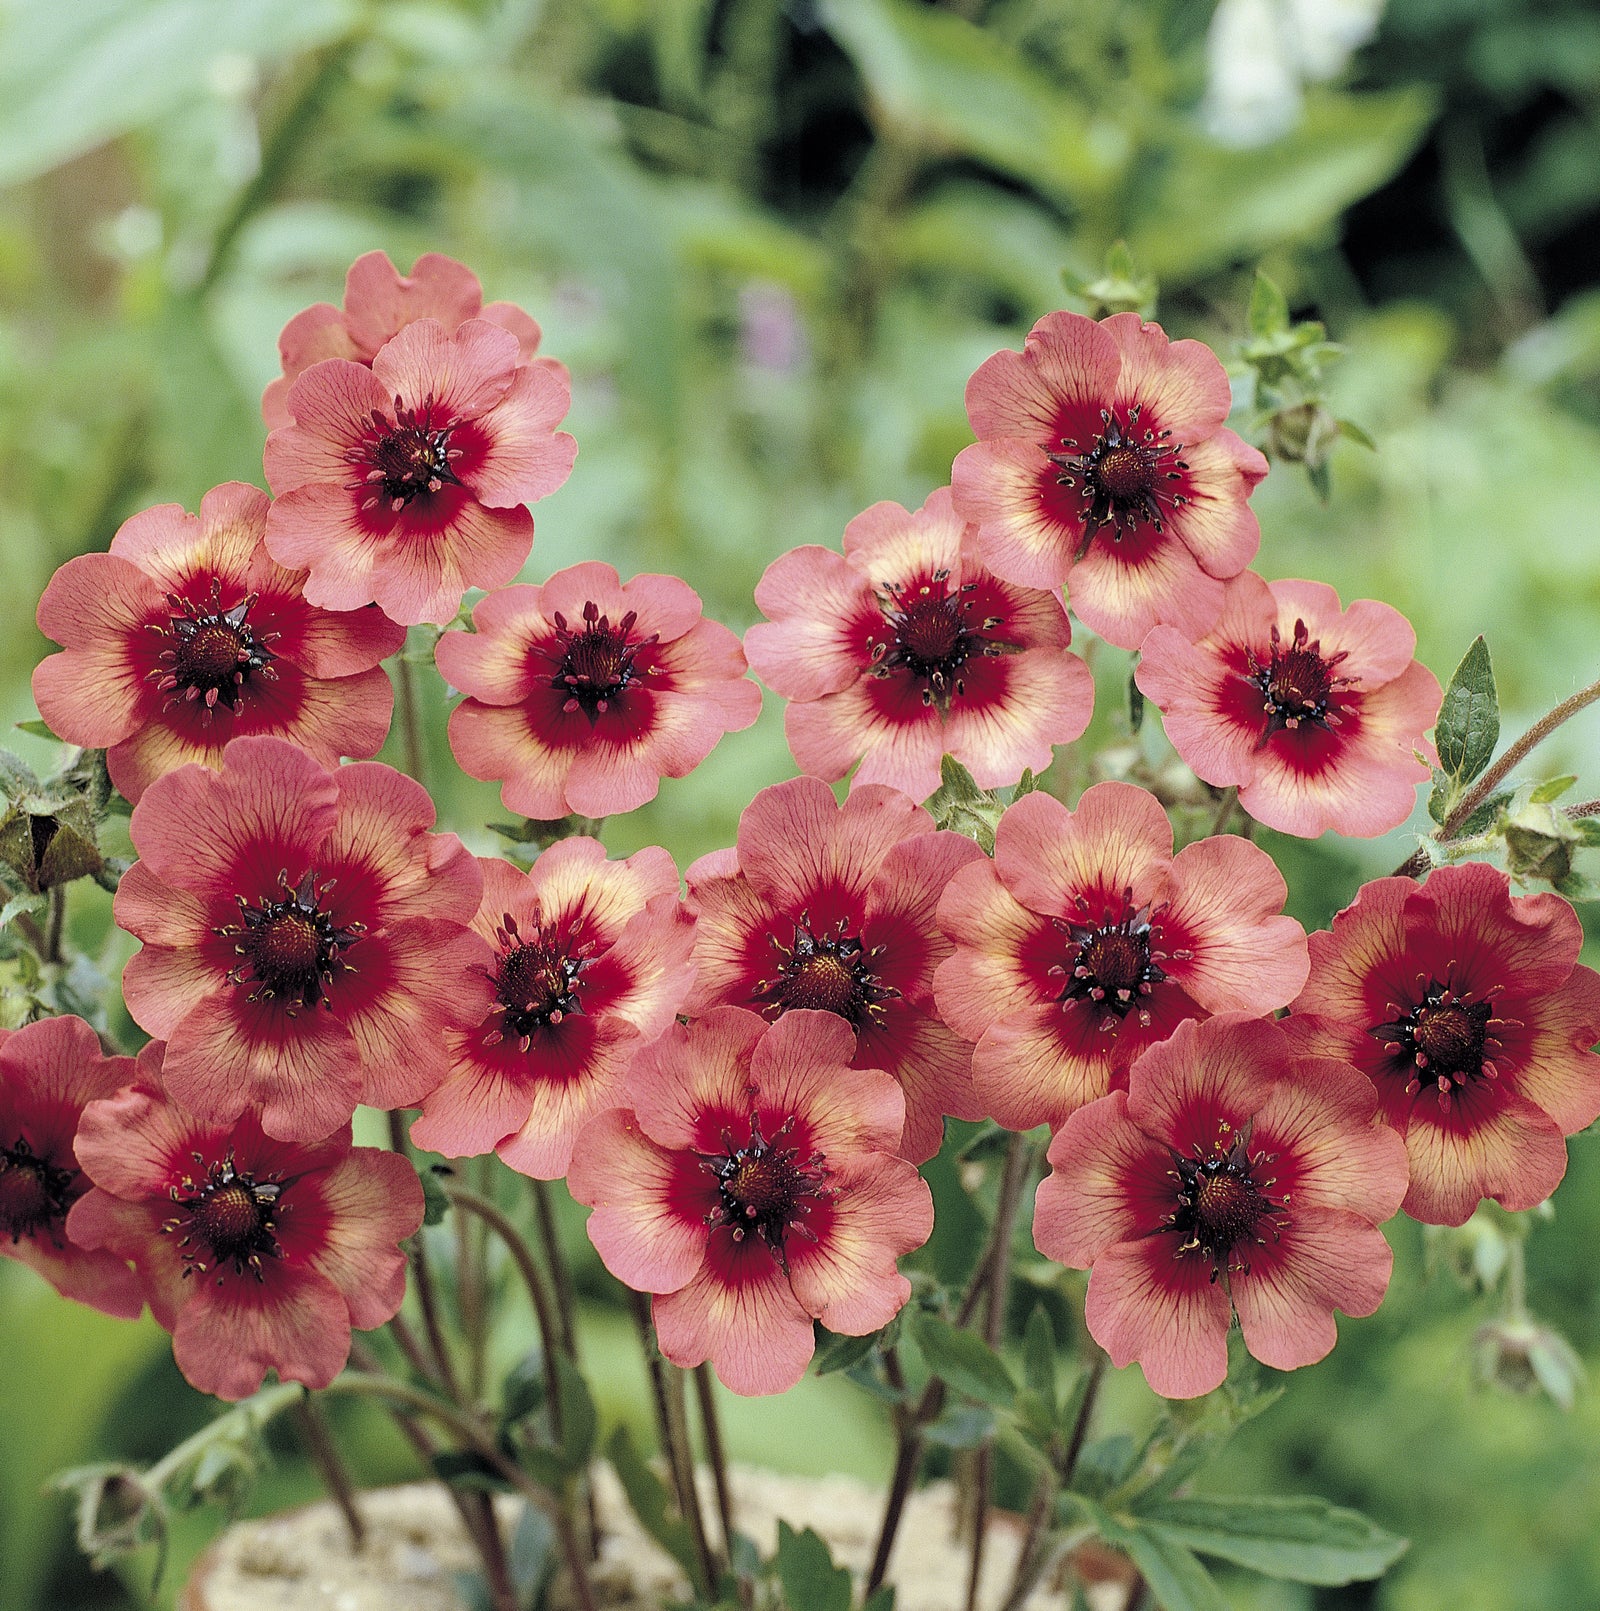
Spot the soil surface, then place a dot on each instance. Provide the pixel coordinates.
(415, 1547)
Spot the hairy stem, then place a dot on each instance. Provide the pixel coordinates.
(706, 1393)
(324, 1452)
(499, 1222)
(556, 1260)
(678, 1425)
(427, 1292)
(58, 919)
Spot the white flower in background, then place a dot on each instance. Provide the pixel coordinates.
(1260, 53)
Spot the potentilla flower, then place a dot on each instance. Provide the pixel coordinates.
(1231, 1175)
(751, 1184)
(1467, 1008)
(256, 1254)
(405, 483)
(585, 959)
(831, 908)
(907, 648)
(48, 1071)
(379, 302)
(1102, 463)
(305, 937)
(1316, 713)
(1086, 940)
(189, 634)
(587, 691)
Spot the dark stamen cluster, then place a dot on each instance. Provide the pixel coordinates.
(766, 1187)
(535, 981)
(210, 654)
(932, 634)
(226, 1217)
(1124, 476)
(35, 1194)
(1117, 961)
(404, 457)
(1223, 1207)
(828, 972)
(597, 663)
(1445, 1038)
(290, 948)
(1298, 684)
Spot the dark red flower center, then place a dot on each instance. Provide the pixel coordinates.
(1444, 1038)
(291, 949)
(226, 1216)
(1116, 962)
(597, 663)
(1298, 683)
(1123, 475)
(766, 1187)
(535, 980)
(211, 654)
(931, 635)
(407, 456)
(828, 972)
(1223, 1207)
(35, 1193)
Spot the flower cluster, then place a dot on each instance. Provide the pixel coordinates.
(741, 1078)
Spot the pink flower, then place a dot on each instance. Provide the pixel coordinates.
(305, 937)
(48, 1071)
(587, 691)
(188, 633)
(1230, 1175)
(289, 1244)
(1467, 1007)
(752, 1186)
(1086, 940)
(585, 960)
(379, 302)
(908, 649)
(1102, 464)
(1316, 713)
(831, 908)
(405, 483)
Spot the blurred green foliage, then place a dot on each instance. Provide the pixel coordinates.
(772, 238)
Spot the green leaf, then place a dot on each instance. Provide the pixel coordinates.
(811, 1582)
(580, 1425)
(1135, 703)
(436, 1201)
(840, 1353)
(1306, 1540)
(647, 1495)
(964, 1426)
(1039, 1356)
(18, 904)
(1484, 815)
(461, 1468)
(1358, 435)
(883, 1600)
(1269, 308)
(523, 1391)
(964, 1360)
(1177, 1579)
(1469, 719)
(38, 730)
(1552, 788)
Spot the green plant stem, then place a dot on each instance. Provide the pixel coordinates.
(1516, 1280)
(1034, 1556)
(556, 1260)
(500, 1223)
(415, 750)
(278, 152)
(427, 1292)
(1225, 808)
(324, 1452)
(58, 919)
(706, 1392)
(481, 1443)
(677, 1407)
(988, 1276)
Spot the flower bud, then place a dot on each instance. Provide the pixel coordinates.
(1522, 1356)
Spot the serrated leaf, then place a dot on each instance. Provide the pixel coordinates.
(1469, 718)
(1039, 1356)
(1588, 829)
(964, 1360)
(1027, 784)
(811, 1582)
(1269, 308)
(1306, 1540)
(647, 1495)
(18, 904)
(1484, 815)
